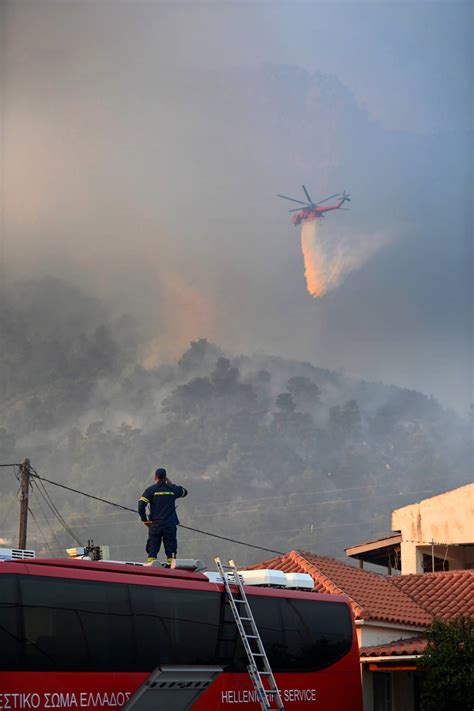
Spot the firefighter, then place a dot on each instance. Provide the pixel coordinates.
(162, 520)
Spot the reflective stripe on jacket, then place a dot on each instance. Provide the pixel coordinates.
(161, 498)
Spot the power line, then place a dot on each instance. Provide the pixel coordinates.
(334, 502)
(232, 502)
(46, 519)
(197, 530)
(189, 528)
(41, 531)
(127, 508)
(49, 501)
(299, 507)
(91, 522)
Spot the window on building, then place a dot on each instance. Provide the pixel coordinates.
(382, 691)
(440, 564)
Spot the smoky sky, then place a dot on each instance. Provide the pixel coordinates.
(144, 144)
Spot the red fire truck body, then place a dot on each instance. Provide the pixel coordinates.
(79, 634)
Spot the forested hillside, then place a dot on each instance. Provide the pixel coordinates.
(274, 452)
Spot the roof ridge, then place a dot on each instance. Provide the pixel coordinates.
(416, 600)
(372, 573)
(301, 560)
(436, 573)
(405, 646)
(362, 611)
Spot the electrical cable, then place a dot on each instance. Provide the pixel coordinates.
(53, 534)
(127, 508)
(445, 557)
(189, 528)
(49, 501)
(41, 531)
(319, 493)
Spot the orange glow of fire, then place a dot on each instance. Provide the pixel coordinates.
(328, 259)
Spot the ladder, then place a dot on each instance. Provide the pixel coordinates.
(263, 680)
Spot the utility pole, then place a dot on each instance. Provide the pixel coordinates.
(25, 474)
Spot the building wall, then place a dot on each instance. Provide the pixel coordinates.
(444, 519)
(372, 635)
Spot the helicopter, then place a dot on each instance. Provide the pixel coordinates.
(312, 210)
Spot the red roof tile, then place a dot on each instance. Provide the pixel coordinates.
(399, 648)
(372, 596)
(443, 595)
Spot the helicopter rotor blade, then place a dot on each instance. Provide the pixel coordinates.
(328, 198)
(285, 197)
(307, 195)
(297, 209)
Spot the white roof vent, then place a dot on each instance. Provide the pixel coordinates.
(264, 577)
(16, 554)
(213, 576)
(299, 581)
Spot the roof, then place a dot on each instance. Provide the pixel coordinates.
(372, 596)
(443, 595)
(385, 540)
(400, 648)
(383, 551)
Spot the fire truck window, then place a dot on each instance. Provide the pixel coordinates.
(76, 624)
(268, 616)
(10, 636)
(230, 651)
(316, 635)
(174, 626)
(302, 635)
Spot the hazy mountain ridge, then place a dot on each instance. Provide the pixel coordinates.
(273, 451)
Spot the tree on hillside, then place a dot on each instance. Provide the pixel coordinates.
(189, 399)
(448, 663)
(303, 390)
(345, 421)
(199, 356)
(224, 377)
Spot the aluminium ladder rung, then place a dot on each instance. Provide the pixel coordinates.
(269, 698)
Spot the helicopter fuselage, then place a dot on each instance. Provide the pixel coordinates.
(312, 210)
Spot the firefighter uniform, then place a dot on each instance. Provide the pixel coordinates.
(161, 498)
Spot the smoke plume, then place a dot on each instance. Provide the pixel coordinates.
(329, 257)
